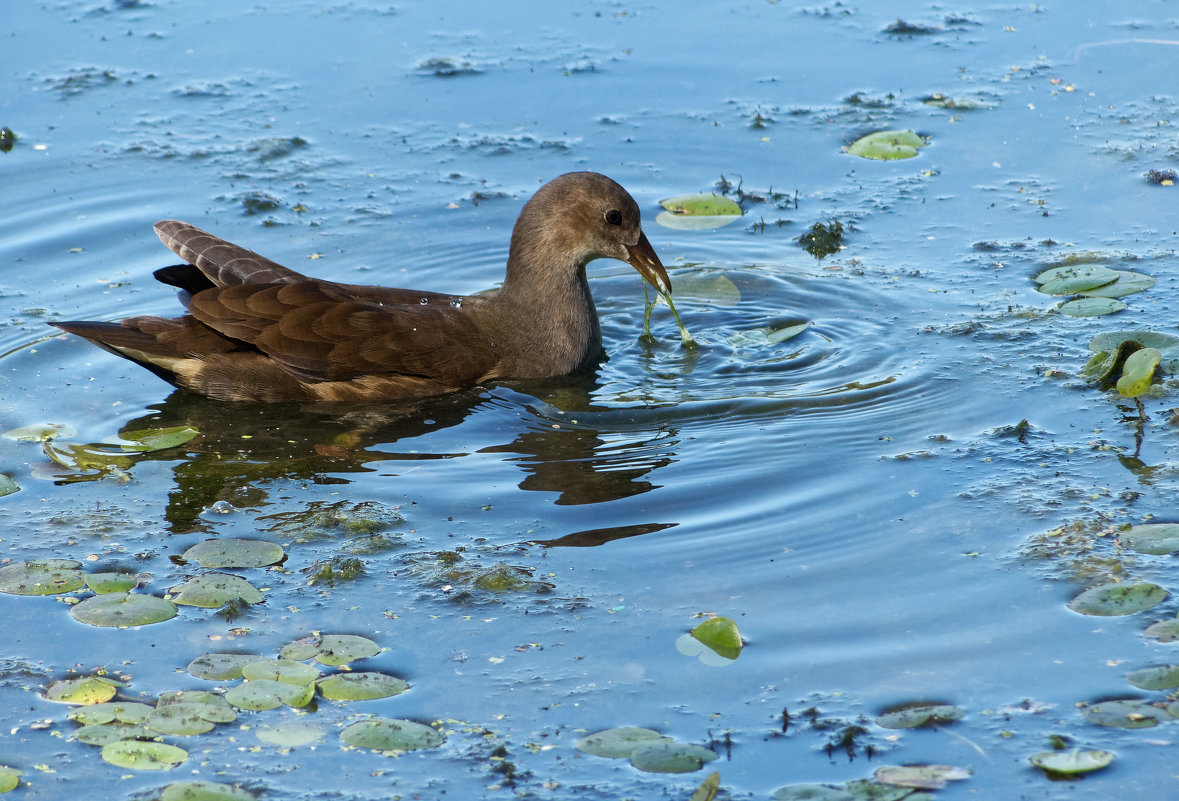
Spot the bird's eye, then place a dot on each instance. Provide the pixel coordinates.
(614, 217)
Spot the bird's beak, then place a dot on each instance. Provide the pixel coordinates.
(642, 257)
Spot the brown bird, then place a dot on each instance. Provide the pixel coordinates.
(258, 331)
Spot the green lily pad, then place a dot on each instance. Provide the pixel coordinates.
(111, 581)
(1129, 714)
(361, 686)
(1071, 763)
(1074, 279)
(74, 456)
(143, 755)
(391, 734)
(40, 432)
(1147, 339)
(1091, 307)
(184, 719)
(291, 733)
(204, 791)
(1163, 630)
(617, 743)
(331, 649)
(82, 690)
(229, 552)
(920, 777)
(287, 671)
(691, 222)
(156, 439)
(1152, 538)
(220, 667)
(213, 706)
(669, 756)
(7, 485)
(1161, 677)
(1118, 599)
(914, 715)
(1127, 283)
(123, 609)
(267, 694)
(1138, 372)
(9, 778)
(721, 635)
(213, 590)
(866, 790)
(887, 145)
(100, 734)
(705, 204)
(811, 792)
(42, 577)
(111, 712)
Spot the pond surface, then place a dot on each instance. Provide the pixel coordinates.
(895, 505)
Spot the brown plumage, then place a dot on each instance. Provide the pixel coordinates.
(258, 331)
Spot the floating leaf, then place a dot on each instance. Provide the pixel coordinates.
(156, 439)
(1118, 599)
(184, 719)
(267, 694)
(1163, 630)
(9, 778)
(219, 667)
(141, 755)
(1147, 339)
(1071, 763)
(40, 432)
(920, 777)
(111, 581)
(1130, 714)
(913, 715)
(1074, 279)
(617, 743)
(1138, 372)
(331, 649)
(390, 734)
(1152, 538)
(42, 577)
(704, 204)
(1091, 307)
(811, 792)
(213, 706)
(669, 756)
(204, 791)
(287, 671)
(1162, 677)
(361, 686)
(228, 552)
(111, 711)
(107, 733)
(291, 733)
(82, 690)
(721, 635)
(7, 485)
(123, 609)
(213, 590)
(865, 790)
(887, 145)
(73, 456)
(1127, 283)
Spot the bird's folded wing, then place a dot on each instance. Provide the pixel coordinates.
(318, 331)
(223, 263)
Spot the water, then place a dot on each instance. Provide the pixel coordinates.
(857, 497)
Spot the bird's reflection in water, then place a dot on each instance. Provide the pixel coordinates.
(242, 448)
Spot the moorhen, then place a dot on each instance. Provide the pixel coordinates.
(258, 331)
